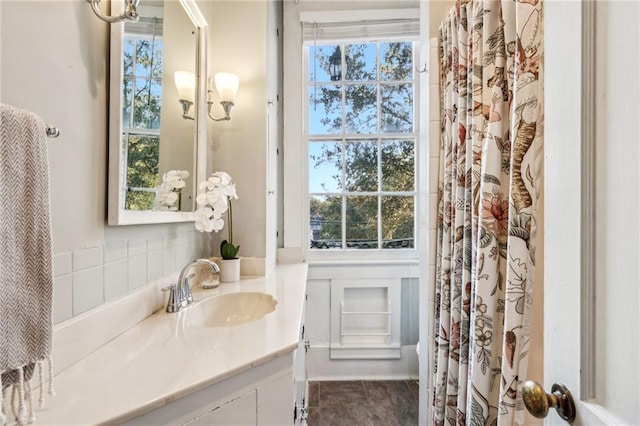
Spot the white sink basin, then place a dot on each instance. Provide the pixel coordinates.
(231, 309)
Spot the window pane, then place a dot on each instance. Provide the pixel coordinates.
(325, 224)
(144, 55)
(319, 63)
(155, 104)
(396, 61)
(361, 166)
(127, 95)
(361, 62)
(325, 110)
(147, 103)
(157, 58)
(398, 165)
(396, 105)
(142, 171)
(360, 110)
(325, 166)
(362, 222)
(139, 200)
(353, 181)
(128, 51)
(397, 222)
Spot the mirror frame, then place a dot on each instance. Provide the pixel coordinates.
(116, 214)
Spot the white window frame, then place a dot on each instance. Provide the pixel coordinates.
(127, 128)
(351, 253)
(295, 191)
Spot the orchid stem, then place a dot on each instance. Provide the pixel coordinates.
(230, 214)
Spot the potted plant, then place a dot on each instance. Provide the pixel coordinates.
(212, 205)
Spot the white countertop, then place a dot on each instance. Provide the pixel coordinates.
(164, 358)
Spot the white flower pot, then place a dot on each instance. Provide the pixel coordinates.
(229, 270)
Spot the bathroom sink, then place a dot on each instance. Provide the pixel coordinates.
(231, 309)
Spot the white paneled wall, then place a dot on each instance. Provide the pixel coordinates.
(365, 318)
(434, 170)
(434, 152)
(427, 310)
(322, 364)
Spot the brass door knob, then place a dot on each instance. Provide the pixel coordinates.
(538, 401)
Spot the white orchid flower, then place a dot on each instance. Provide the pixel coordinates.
(217, 214)
(224, 177)
(217, 224)
(218, 199)
(201, 198)
(213, 182)
(172, 197)
(230, 191)
(202, 222)
(203, 225)
(214, 201)
(174, 179)
(168, 192)
(221, 204)
(178, 183)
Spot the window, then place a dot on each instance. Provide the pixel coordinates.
(141, 107)
(361, 145)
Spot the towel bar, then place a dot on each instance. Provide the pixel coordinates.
(53, 132)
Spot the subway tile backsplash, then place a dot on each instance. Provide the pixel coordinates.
(87, 258)
(113, 252)
(62, 298)
(88, 277)
(62, 264)
(115, 279)
(88, 289)
(137, 275)
(154, 264)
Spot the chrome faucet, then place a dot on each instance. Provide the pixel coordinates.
(180, 293)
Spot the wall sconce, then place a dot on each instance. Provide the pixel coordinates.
(227, 86)
(186, 85)
(130, 13)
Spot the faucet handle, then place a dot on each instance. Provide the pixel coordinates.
(174, 299)
(171, 287)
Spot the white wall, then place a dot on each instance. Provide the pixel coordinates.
(438, 9)
(54, 62)
(178, 142)
(238, 44)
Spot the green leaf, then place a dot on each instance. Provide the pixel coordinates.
(228, 250)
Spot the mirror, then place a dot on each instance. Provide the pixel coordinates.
(156, 122)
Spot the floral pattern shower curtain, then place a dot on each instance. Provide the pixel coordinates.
(490, 176)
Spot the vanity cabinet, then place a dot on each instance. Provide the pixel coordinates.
(241, 411)
(300, 381)
(262, 395)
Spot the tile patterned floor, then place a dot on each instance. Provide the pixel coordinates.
(363, 403)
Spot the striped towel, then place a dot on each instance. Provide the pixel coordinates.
(26, 276)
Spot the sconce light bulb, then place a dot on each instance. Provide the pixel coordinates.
(227, 85)
(186, 85)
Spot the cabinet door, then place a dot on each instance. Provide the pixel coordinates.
(300, 378)
(241, 411)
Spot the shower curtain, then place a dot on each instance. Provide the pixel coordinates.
(490, 177)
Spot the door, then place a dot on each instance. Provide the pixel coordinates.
(592, 139)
